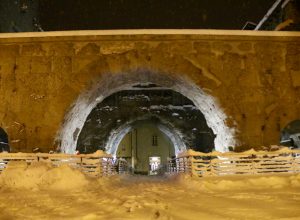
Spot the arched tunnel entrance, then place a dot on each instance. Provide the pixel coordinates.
(144, 122)
(146, 147)
(185, 115)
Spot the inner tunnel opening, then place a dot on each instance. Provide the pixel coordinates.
(146, 147)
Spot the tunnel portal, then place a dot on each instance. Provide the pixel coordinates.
(50, 82)
(153, 103)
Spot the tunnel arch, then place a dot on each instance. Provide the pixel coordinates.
(117, 135)
(114, 82)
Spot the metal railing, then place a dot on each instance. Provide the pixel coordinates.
(91, 164)
(122, 166)
(249, 162)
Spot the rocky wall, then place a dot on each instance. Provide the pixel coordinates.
(254, 76)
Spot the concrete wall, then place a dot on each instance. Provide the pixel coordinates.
(126, 146)
(254, 76)
(140, 139)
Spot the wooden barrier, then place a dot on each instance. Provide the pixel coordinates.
(92, 164)
(230, 163)
(196, 163)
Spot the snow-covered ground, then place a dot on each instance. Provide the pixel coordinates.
(42, 192)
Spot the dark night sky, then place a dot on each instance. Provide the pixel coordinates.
(133, 14)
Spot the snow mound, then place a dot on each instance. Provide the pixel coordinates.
(99, 153)
(239, 182)
(64, 178)
(40, 175)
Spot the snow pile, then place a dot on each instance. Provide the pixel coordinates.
(239, 182)
(41, 175)
(64, 178)
(18, 175)
(99, 153)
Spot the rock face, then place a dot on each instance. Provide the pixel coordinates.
(251, 78)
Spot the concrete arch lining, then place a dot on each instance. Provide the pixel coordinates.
(111, 83)
(116, 137)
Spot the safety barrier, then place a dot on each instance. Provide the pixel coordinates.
(230, 163)
(92, 164)
(122, 166)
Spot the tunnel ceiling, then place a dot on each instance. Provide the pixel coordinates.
(146, 101)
